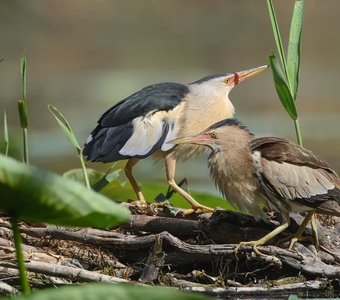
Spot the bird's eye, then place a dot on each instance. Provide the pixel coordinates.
(213, 135)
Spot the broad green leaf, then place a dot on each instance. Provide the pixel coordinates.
(277, 35)
(6, 137)
(36, 195)
(106, 178)
(282, 88)
(98, 180)
(294, 48)
(65, 126)
(122, 192)
(106, 291)
(78, 175)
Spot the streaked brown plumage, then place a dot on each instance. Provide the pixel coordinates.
(143, 123)
(270, 170)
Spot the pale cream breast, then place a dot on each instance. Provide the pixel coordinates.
(201, 108)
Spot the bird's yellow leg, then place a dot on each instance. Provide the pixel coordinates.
(297, 236)
(263, 240)
(314, 225)
(128, 172)
(170, 166)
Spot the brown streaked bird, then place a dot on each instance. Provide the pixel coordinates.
(269, 170)
(143, 123)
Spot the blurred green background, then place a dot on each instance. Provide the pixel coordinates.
(83, 56)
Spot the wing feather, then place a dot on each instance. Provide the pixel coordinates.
(295, 176)
(138, 125)
(157, 97)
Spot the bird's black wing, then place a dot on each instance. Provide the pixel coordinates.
(295, 176)
(156, 97)
(136, 126)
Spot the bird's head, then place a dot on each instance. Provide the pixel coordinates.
(227, 80)
(219, 136)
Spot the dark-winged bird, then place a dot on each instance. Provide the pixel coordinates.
(143, 123)
(270, 170)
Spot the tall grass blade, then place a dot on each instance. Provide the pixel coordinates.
(294, 47)
(66, 127)
(23, 77)
(22, 109)
(277, 35)
(282, 87)
(22, 105)
(6, 137)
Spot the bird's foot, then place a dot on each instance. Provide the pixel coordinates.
(141, 203)
(254, 244)
(197, 208)
(333, 253)
(268, 258)
(298, 238)
(138, 206)
(293, 238)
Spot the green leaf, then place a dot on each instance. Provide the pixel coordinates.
(36, 195)
(23, 77)
(98, 180)
(65, 126)
(22, 109)
(78, 175)
(106, 291)
(282, 88)
(294, 48)
(277, 35)
(6, 137)
(22, 105)
(121, 192)
(106, 178)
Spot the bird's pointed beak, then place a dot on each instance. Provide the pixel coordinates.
(194, 139)
(244, 75)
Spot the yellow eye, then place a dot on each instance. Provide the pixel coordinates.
(213, 135)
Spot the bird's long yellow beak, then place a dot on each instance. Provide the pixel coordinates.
(194, 139)
(244, 75)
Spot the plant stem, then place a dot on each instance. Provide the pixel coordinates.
(83, 166)
(298, 132)
(25, 140)
(20, 257)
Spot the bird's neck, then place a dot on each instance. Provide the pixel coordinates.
(202, 108)
(233, 173)
(234, 153)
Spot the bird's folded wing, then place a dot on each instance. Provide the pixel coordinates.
(296, 176)
(138, 125)
(158, 97)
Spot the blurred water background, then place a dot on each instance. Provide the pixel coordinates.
(84, 55)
